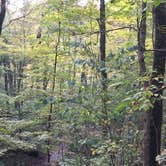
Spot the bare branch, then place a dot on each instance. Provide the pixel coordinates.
(159, 50)
(16, 19)
(107, 31)
(23, 16)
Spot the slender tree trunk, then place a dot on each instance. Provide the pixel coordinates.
(2, 14)
(153, 121)
(141, 39)
(141, 26)
(54, 76)
(53, 89)
(10, 77)
(6, 65)
(103, 43)
(102, 24)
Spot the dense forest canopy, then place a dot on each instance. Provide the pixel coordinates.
(82, 82)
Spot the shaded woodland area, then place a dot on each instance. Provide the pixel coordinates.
(82, 83)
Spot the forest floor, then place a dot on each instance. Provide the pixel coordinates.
(22, 159)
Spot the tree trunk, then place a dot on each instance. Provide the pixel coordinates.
(6, 80)
(2, 14)
(102, 24)
(142, 39)
(153, 119)
(103, 43)
(53, 90)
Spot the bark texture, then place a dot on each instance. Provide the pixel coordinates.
(103, 43)
(153, 121)
(102, 24)
(142, 39)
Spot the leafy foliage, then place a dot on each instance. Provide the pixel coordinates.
(60, 49)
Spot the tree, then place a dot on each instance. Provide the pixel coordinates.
(153, 119)
(69, 83)
(142, 38)
(102, 25)
(103, 43)
(2, 14)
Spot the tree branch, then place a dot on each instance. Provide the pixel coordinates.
(159, 50)
(24, 15)
(107, 31)
(16, 19)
